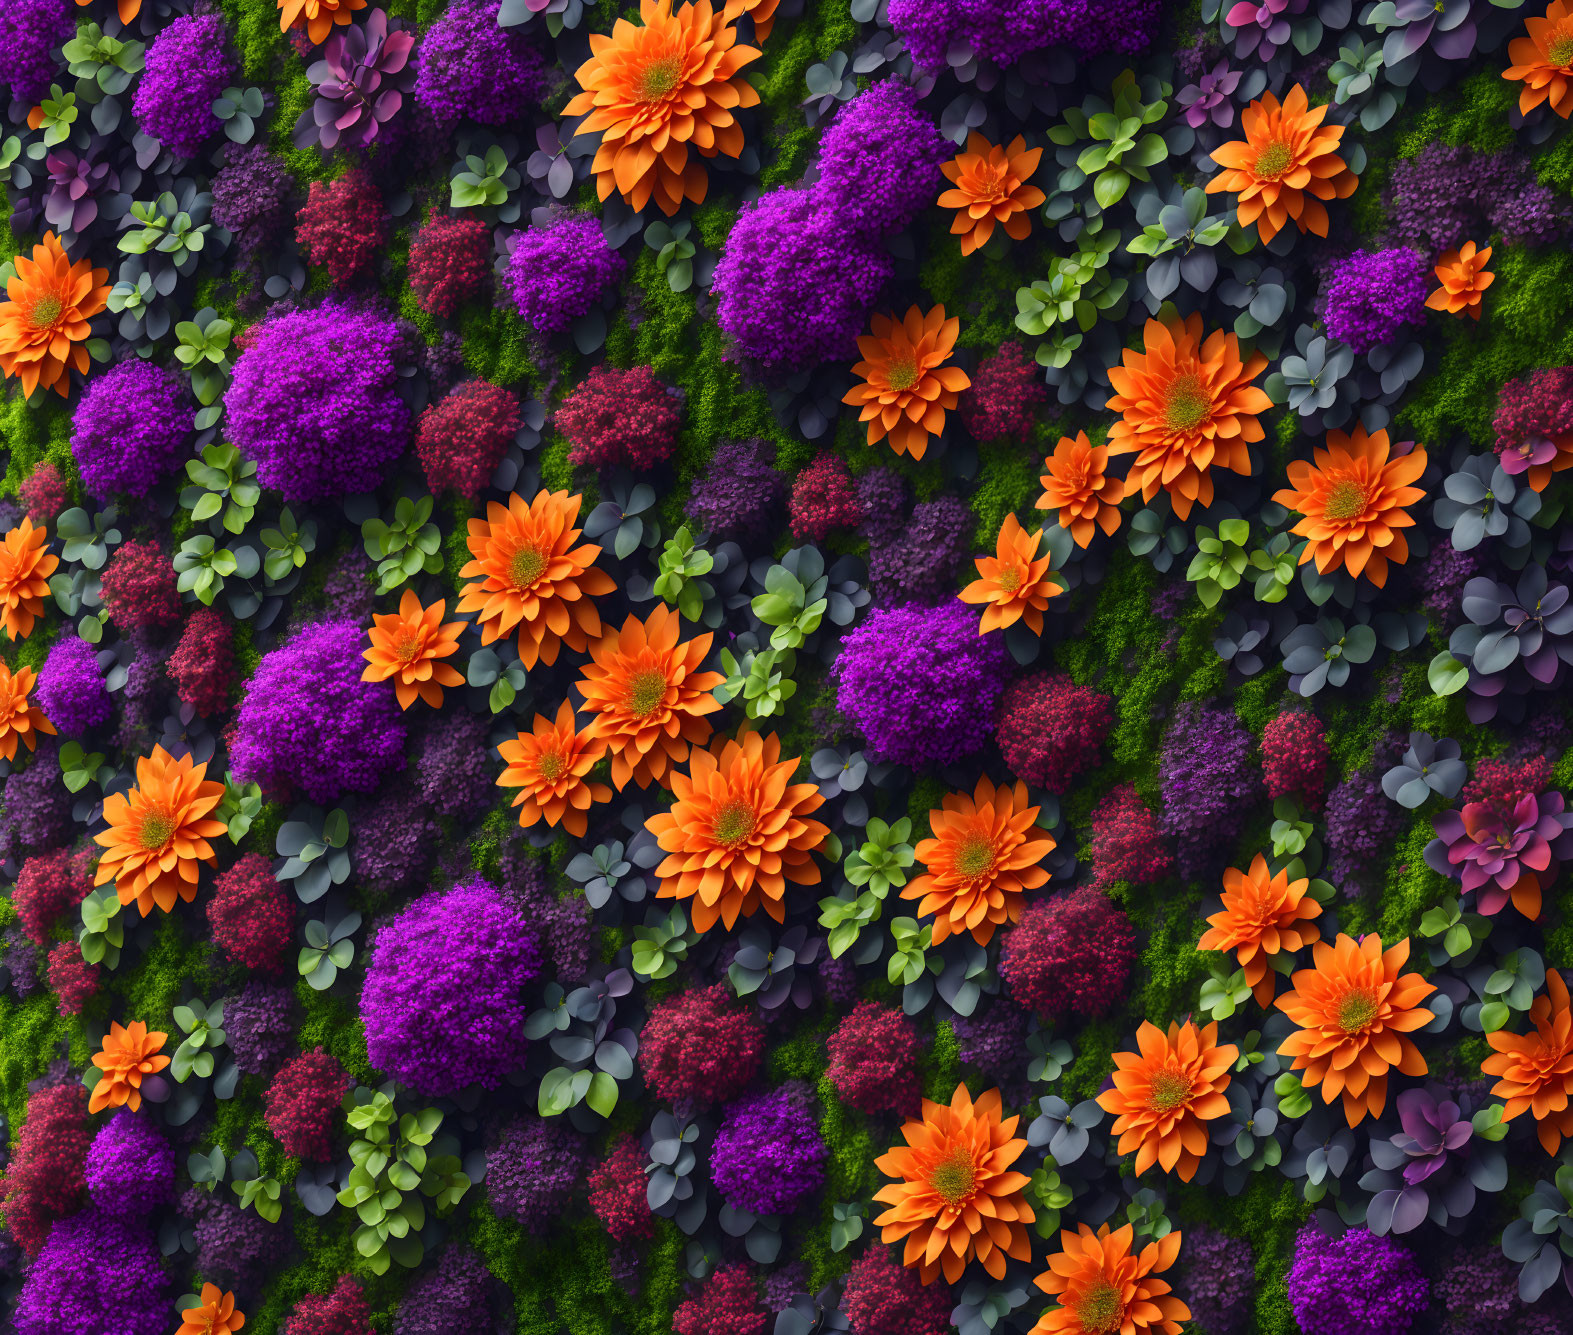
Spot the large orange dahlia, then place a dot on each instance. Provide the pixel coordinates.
(1015, 584)
(907, 389)
(548, 765)
(1262, 916)
(410, 646)
(1187, 406)
(980, 862)
(20, 718)
(25, 568)
(1353, 500)
(159, 832)
(318, 17)
(1354, 1008)
(1536, 1070)
(648, 696)
(991, 186)
(655, 91)
(1543, 61)
(1104, 1287)
(737, 832)
(130, 1052)
(955, 1197)
(1080, 486)
(43, 327)
(532, 576)
(1165, 1091)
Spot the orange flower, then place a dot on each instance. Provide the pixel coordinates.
(1078, 485)
(1464, 278)
(25, 568)
(1262, 916)
(955, 1198)
(129, 1054)
(127, 9)
(1015, 584)
(736, 833)
(980, 861)
(159, 831)
(648, 696)
(318, 16)
(533, 577)
(1543, 61)
(1353, 1008)
(907, 388)
(764, 12)
(550, 765)
(43, 326)
(1285, 166)
(991, 187)
(216, 1316)
(1188, 406)
(1536, 1069)
(409, 646)
(1103, 1287)
(19, 716)
(1353, 501)
(1165, 1091)
(655, 91)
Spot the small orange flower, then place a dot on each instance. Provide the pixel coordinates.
(533, 577)
(1079, 486)
(1165, 1091)
(43, 327)
(1543, 61)
(1188, 406)
(648, 696)
(1353, 1008)
(907, 388)
(764, 12)
(1015, 584)
(19, 716)
(982, 859)
(129, 1054)
(216, 1316)
(25, 568)
(318, 17)
(1262, 916)
(991, 187)
(1285, 166)
(1104, 1287)
(955, 1198)
(159, 832)
(656, 90)
(737, 833)
(1536, 1069)
(409, 646)
(1464, 278)
(549, 767)
(1353, 500)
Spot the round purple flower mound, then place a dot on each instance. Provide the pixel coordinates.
(259, 1024)
(1005, 30)
(1209, 784)
(35, 808)
(1359, 1284)
(558, 273)
(468, 66)
(32, 31)
(130, 1168)
(768, 1157)
(532, 1170)
(449, 1297)
(71, 690)
(920, 684)
(740, 492)
(1479, 1293)
(307, 721)
(1362, 826)
(96, 1273)
(441, 1002)
(130, 429)
(879, 161)
(235, 1247)
(1368, 297)
(188, 68)
(314, 401)
(1217, 1280)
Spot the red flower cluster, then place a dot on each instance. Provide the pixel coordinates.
(823, 500)
(617, 1193)
(726, 1304)
(139, 587)
(71, 978)
(250, 915)
(873, 1060)
(1126, 842)
(302, 1105)
(44, 1182)
(49, 886)
(622, 418)
(1294, 758)
(699, 1047)
(462, 439)
(1050, 729)
(1006, 396)
(203, 664)
(43, 493)
(884, 1298)
(448, 263)
(341, 226)
(1070, 956)
(342, 1312)
(1499, 782)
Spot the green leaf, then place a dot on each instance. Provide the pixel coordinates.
(1110, 187)
(1446, 674)
(602, 1094)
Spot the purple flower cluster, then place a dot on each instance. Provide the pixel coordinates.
(739, 493)
(71, 689)
(395, 840)
(1359, 1284)
(1362, 825)
(879, 161)
(441, 1002)
(34, 28)
(922, 559)
(96, 1273)
(235, 1247)
(130, 1168)
(453, 768)
(35, 808)
(1479, 1292)
(1444, 196)
(188, 67)
(882, 501)
(259, 1024)
(768, 1156)
(1217, 1280)
(1005, 30)
(557, 274)
(130, 429)
(251, 199)
(1371, 295)
(993, 1040)
(1208, 784)
(451, 1296)
(467, 65)
(532, 1170)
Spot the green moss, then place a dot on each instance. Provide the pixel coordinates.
(333, 1023)
(32, 1034)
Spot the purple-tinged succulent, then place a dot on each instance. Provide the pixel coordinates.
(1529, 625)
(1432, 1168)
(1263, 26)
(1538, 1237)
(1209, 97)
(75, 182)
(360, 82)
(1411, 25)
(1504, 855)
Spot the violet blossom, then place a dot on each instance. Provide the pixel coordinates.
(1432, 1168)
(1209, 98)
(1501, 855)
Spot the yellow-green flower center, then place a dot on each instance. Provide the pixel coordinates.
(409, 647)
(1560, 52)
(1346, 499)
(975, 856)
(157, 827)
(954, 1178)
(552, 765)
(527, 566)
(1356, 1009)
(1273, 161)
(645, 693)
(1010, 579)
(1170, 1089)
(733, 823)
(1186, 405)
(45, 311)
(1101, 1312)
(902, 374)
(658, 78)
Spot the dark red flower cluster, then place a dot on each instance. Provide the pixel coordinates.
(700, 1047)
(883, 1297)
(48, 887)
(71, 978)
(139, 586)
(1070, 956)
(1294, 758)
(203, 664)
(342, 1312)
(44, 1182)
(250, 915)
(726, 1304)
(620, 418)
(1127, 844)
(1500, 782)
(43, 493)
(302, 1104)
(341, 226)
(1050, 729)
(1005, 398)
(448, 263)
(617, 1192)
(1537, 404)
(462, 439)
(874, 1060)
(823, 500)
